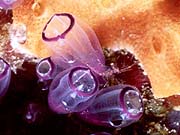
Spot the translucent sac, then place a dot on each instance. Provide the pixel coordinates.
(72, 90)
(5, 76)
(10, 4)
(46, 69)
(73, 42)
(116, 106)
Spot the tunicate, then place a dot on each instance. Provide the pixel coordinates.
(115, 106)
(73, 42)
(72, 90)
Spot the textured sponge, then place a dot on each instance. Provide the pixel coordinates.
(148, 28)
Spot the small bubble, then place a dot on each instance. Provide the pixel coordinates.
(123, 18)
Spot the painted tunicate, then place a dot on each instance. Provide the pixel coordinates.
(73, 90)
(116, 106)
(73, 42)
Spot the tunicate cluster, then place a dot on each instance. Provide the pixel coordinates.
(76, 87)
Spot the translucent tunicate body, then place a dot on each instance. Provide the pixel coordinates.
(10, 4)
(73, 42)
(72, 90)
(5, 76)
(116, 106)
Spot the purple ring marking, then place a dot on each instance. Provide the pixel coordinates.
(123, 104)
(61, 36)
(49, 73)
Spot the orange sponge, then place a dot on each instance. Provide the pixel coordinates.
(148, 28)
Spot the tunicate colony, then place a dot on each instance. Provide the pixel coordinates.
(75, 88)
(76, 68)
